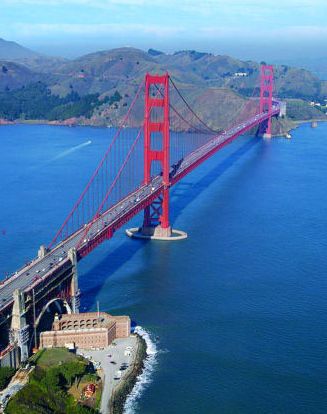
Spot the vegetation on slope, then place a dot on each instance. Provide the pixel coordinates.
(297, 109)
(85, 88)
(6, 374)
(47, 391)
(36, 101)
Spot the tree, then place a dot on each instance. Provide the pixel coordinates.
(72, 370)
(51, 379)
(5, 376)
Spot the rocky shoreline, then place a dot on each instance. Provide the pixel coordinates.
(5, 122)
(66, 122)
(124, 388)
(298, 123)
(284, 131)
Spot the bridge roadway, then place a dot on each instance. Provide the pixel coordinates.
(105, 225)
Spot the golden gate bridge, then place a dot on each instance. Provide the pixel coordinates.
(135, 174)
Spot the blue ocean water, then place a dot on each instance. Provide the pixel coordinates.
(238, 311)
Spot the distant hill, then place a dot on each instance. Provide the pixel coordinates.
(317, 66)
(221, 83)
(13, 51)
(100, 71)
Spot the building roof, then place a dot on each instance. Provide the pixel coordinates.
(73, 331)
(86, 320)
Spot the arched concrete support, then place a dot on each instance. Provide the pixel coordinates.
(46, 307)
(68, 307)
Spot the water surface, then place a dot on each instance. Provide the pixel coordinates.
(238, 310)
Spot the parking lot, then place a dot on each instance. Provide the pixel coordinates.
(114, 361)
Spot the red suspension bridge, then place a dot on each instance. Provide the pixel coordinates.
(134, 175)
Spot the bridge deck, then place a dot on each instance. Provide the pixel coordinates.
(105, 225)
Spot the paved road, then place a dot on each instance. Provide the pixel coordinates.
(109, 368)
(39, 269)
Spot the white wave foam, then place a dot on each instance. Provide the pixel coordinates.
(145, 377)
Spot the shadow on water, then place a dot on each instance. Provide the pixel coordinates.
(187, 191)
(122, 254)
(183, 195)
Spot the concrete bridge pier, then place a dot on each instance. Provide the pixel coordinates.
(156, 233)
(19, 330)
(74, 290)
(42, 252)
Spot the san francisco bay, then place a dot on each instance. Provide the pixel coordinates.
(238, 310)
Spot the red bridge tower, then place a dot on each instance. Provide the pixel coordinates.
(266, 92)
(157, 135)
(156, 223)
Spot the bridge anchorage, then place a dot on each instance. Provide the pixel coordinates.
(156, 223)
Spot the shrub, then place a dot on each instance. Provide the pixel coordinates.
(5, 376)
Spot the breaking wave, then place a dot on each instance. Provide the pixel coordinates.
(145, 377)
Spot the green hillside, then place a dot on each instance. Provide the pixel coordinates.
(84, 87)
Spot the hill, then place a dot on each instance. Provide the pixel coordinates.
(13, 51)
(203, 77)
(99, 71)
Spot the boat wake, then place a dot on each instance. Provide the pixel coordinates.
(71, 150)
(57, 157)
(145, 377)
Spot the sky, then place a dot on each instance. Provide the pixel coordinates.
(248, 29)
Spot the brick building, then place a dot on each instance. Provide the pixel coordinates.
(86, 330)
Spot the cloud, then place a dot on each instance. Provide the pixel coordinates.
(162, 31)
(303, 32)
(41, 29)
(164, 19)
(89, 3)
(223, 11)
(290, 32)
(194, 4)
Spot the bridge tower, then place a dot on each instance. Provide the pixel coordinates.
(157, 135)
(266, 93)
(156, 224)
